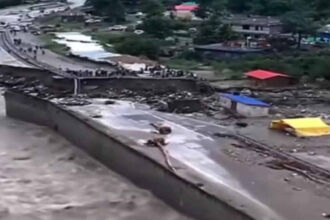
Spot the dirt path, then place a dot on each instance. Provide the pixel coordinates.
(43, 177)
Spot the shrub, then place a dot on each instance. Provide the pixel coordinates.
(157, 26)
(139, 46)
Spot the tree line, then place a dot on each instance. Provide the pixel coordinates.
(300, 17)
(6, 3)
(321, 8)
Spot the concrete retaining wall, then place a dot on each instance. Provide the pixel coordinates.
(135, 84)
(123, 156)
(43, 75)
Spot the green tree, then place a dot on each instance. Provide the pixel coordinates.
(322, 8)
(213, 30)
(270, 7)
(5, 3)
(300, 22)
(212, 6)
(112, 9)
(138, 46)
(157, 26)
(152, 7)
(170, 3)
(238, 6)
(321, 68)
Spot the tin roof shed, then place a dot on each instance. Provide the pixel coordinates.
(245, 100)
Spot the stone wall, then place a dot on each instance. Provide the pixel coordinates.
(135, 84)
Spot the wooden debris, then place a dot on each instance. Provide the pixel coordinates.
(160, 143)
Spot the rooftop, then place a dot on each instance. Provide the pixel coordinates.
(253, 20)
(186, 6)
(264, 74)
(222, 47)
(245, 100)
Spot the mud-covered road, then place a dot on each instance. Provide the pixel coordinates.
(42, 176)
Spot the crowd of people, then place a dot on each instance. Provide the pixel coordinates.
(33, 51)
(165, 72)
(98, 73)
(150, 71)
(157, 71)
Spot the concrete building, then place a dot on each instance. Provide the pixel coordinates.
(243, 105)
(269, 79)
(255, 26)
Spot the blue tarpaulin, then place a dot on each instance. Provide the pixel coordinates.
(245, 100)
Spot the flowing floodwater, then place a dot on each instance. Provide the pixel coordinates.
(84, 46)
(43, 177)
(77, 3)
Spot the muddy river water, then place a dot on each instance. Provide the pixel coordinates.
(42, 176)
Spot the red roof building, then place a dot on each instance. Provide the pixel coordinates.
(186, 7)
(268, 78)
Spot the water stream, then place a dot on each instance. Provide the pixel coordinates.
(77, 3)
(84, 46)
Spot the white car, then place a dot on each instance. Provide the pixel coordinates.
(3, 24)
(138, 32)
(139, 14)
(118, 28)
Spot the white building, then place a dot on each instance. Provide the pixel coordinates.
(243, 105)
(255, 26)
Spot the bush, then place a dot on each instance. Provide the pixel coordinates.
(157, 26)
(5, 3)
(179, 24)
(297, 64)
(138, 46)
(49, 43)
(183, 64)
(106, 37)
(321, 69)
(190, 55)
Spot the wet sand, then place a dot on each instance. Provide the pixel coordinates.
(42, 176)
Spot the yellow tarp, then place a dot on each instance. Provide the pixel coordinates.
(302, 126)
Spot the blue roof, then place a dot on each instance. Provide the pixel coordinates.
(245, 100)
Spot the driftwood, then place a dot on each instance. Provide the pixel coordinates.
(160, 144)
(162, 129)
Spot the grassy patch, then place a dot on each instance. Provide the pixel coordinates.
(220, 69)
(179, 63)
(65, 26)
(53, 46)
(107, 37)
